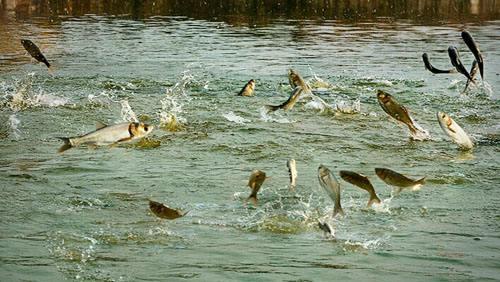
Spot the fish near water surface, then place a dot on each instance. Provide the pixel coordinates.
(469, 41)
(431, 68)
(34, 51)
(454, 131)
(362, 182)
(292, 172)
(395, 110)
(332, 187)
(288, 104)
(398, 180)
(295, 80)
(473, 72)
(162, 211)
(457, 63)
(248, 89)
(256, 180)
(108, 135)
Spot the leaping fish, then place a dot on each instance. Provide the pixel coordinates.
(248, 89)
(331, 187)
(456, 62)
(454, 131)
(473, 71)
(295, 80)
(108, 135)
(362, 182)
(431, 68)
(467, 37)
(398, 180)
(255, 182)
(162, 211)
(292, 172)
(34, 51)
(288, 104)
(395, 110)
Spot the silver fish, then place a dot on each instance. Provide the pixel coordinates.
(108, 135)
(331, 187)
(34, 51)
(255, 182)
(362, 182)
(473, 72)
(398, 180)
(292, 172)
(162, 211)
(295, 80)
(248, 89)
(288, 104)
(456, 62)
(431, 68)
(456, 133)
(396, 110)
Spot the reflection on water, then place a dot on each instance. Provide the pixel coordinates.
(262, 11)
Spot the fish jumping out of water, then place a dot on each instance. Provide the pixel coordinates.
(288, 104)
(431, 68)
(362, 182)
(326, 228)
(396, 110)
(34, 51)
(292, 172)
(248, 89)
(454, 131)
(456, 62)
(108, 135)
(163, 211)
(255, 182)
(331, 187)
(473, 72)
(295, 80)
(467, 37)
(398, 180)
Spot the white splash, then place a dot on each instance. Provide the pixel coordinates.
(348, 108)
(174, 99)
(127, 113)
(264, 116)
(49, 100)
(14, 125)
(235, 118)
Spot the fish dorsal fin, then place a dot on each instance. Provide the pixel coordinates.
(100, 125)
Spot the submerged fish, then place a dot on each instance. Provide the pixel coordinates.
(295, 80)
(34, 51)
(395, 110)
(163, 211)
(331, 187)
(455, 61)
(362, 182)
(255, 182)
(292, 172)
(398, 180)
(467, 37)
(456, 133)
(108, 135)
(288, 104)
(248, 89)
(473, 71)
(431, 68)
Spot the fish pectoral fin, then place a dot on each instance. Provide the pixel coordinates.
(100, 125)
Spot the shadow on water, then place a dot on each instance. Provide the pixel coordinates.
(262, 12)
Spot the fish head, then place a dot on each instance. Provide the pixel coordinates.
(140, 129)
(381, 172)
(383, 97)
(323, 171)
(251, 83)
(26, 43)
(444, 119)
(453, 52)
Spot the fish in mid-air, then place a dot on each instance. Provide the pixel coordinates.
(295, 80)
(288, 104)
(454, 131)
(292, 172)
(331, 187)
(398, 180)
(362, 182)
(467, 37)
(473, 72)
(248, 89)
(396, 110)
(326, 228)
(108, 135)
(34, 51)
(457, 63)
(431, 68)
(162, 211)
(255, 182)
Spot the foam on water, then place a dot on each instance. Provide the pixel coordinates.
(173, 102)
(272, 117)
(14, 125)
(127, 113)
(346, 107)
(231, 116)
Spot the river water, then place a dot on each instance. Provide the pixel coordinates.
(83, 215)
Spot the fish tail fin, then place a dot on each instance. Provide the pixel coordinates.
(338, 210)
(373, 199)
(66, 146)
(46, 63)
(253, 199)
(271, 108)
(421, 181)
